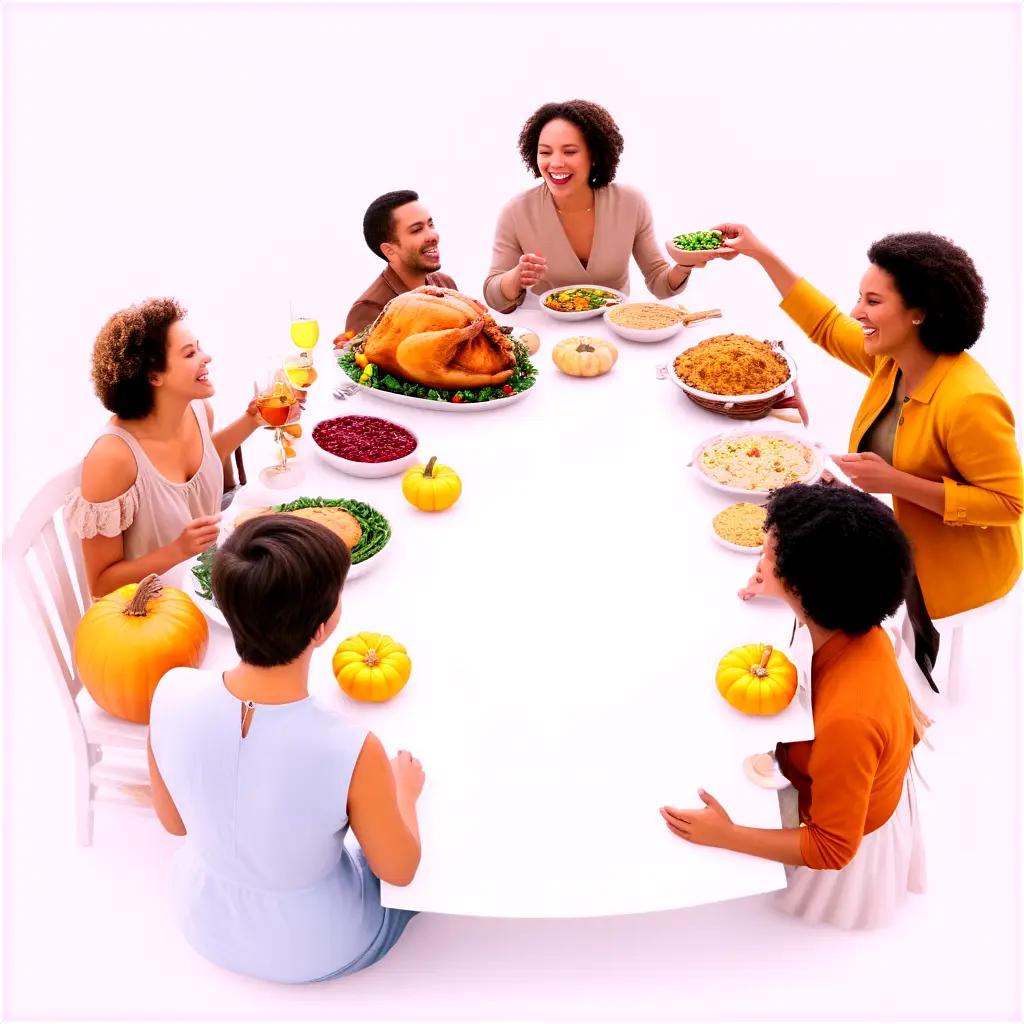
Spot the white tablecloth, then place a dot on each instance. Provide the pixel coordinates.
(564, 621)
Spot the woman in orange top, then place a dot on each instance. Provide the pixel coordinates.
(853, 845)
(933, 429)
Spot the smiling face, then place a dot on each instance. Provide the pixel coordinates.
(563, 159)
(186, 375)
(414, 244)
(888, 323)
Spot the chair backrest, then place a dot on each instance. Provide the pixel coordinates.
(47, 563)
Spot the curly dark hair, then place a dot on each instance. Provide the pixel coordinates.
(938, 277)
(131, 345)
(602, 135)
(379, 222)
(841, 552)
(277, 579)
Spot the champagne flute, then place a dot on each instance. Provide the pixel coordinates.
(305, 332)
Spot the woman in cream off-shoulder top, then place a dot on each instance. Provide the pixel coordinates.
(577, 226)
(152, 483)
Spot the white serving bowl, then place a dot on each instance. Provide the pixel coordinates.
(584, 314)
(810, 477)
(728, 402)
(736, 547)
(642, 334)
(367, 470)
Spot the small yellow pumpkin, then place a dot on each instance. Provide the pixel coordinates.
(129, 639)
(584, 357)
(431, 488)
(369, 666)
(757, 679)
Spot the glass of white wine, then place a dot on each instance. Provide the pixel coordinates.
(305, 327)
(305, 332)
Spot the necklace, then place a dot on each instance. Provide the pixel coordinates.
(567, 213)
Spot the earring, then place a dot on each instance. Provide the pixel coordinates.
(916, 323)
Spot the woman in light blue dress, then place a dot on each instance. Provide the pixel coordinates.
(264, 782)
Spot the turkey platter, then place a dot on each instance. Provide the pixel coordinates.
(441, 339)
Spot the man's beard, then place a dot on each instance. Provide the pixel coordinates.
(420, 264)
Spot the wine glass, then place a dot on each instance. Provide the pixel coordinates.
(305, 332)
(275, 399)
(305, 327)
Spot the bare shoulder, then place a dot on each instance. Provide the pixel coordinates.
(108, 470)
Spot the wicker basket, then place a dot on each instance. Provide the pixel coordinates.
(741, 407)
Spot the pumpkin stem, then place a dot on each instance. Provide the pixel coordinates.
(371, 658)
(149, 588)
(584, 347)
(429, 471)
(761, 670)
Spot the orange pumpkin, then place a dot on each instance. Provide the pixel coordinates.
(757, 679)
(129, 639)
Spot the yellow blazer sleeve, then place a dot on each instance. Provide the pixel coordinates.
(823, 322)
(983, 448)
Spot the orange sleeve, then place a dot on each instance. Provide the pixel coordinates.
(843, 763)
(827, 326)
(983, 447)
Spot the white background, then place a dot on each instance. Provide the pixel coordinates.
(225, 156)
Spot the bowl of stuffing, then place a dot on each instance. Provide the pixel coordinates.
(645, 321)
(740, 527)
(735, 375)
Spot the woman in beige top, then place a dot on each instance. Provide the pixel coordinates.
(578, 227)
(152, 483)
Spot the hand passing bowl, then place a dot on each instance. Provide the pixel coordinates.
(697, 257)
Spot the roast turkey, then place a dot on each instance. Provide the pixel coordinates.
(441, 339)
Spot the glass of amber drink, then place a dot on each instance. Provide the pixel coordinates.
(275, 401)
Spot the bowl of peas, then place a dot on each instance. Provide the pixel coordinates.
(698, 241)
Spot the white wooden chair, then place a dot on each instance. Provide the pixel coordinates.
(46, 560)
(951, 631)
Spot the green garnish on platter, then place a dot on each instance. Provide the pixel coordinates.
(376, 534)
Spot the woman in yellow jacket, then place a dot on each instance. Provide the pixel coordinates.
(933, 429)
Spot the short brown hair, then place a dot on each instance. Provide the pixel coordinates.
(131, 346)
(276, 579)
(602, 135)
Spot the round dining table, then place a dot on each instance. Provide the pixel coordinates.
(564, 619)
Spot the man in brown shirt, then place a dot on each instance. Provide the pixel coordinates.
(399, 229)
